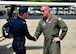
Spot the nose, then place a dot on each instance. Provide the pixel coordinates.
(41, 12)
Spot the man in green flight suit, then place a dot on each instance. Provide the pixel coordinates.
(51, 25)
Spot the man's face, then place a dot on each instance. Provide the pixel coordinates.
(26, 14)
(44, 11)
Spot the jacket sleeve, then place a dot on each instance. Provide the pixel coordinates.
(38, 31)
(25, 31)
(63, 28)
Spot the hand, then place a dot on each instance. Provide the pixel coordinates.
(35, 38)
(56, 39)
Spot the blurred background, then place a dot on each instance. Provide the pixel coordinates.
(34, 10)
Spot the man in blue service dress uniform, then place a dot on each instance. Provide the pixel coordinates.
(19, 30)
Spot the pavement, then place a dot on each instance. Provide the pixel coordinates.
(68, 45)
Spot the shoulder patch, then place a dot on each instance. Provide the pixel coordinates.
(23, 22)
(59, 18)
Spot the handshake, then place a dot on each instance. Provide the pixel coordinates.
(34, 38)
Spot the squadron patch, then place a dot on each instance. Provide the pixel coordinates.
(49, 22)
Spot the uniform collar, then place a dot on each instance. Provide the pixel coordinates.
(46, 20)
(21, 18)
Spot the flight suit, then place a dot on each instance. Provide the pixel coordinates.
(19, 30)
(50, 30)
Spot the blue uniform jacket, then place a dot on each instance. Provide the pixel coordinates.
(19, 30)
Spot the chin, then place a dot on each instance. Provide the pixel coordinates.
(44, 16)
